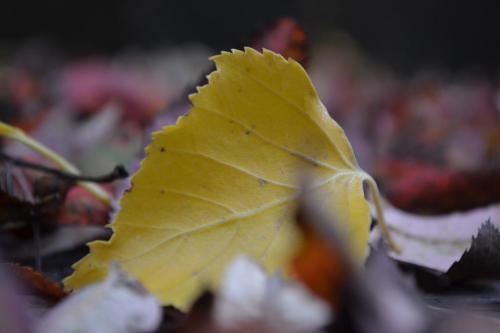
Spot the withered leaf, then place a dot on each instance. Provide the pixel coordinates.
(36, 284)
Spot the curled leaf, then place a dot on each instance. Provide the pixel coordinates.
(435, 242)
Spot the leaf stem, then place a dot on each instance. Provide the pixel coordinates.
(380, 215)
(17, 134)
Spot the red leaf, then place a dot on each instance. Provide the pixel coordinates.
(82, 208)
(285, 37)
(427, 189)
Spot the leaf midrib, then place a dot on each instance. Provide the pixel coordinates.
(302, 112)
(238, 216)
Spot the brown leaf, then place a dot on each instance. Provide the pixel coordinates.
(36, 284)
(26, 195)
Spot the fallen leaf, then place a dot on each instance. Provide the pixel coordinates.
(118, 304)
(28, 197)
(285, 37)
(46, 197)
(82, 208)
(482, 259)
(223, 181)
(36, 284)
(422, 188)
(434, 242)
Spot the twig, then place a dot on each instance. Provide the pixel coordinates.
(17, 134)
(118, 172)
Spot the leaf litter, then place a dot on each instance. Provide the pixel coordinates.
(406, 124)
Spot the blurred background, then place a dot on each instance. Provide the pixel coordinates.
(403, 35)
(414, 84)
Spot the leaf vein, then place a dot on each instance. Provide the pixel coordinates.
(259, 135)
(213, 159)
(235, 217)
(296, 107)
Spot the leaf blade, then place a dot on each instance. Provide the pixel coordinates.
(223, 181)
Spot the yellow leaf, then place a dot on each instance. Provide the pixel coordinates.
(223, 181)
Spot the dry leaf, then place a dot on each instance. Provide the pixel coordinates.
(36, 284)
(223, 181)
(435, 242)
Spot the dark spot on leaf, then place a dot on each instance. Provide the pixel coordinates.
(162, 191)
(162, 149)
(263, 182)
(247, 132)
(314, 163)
